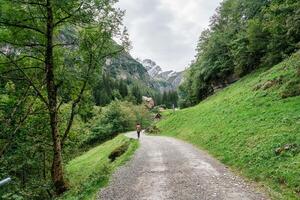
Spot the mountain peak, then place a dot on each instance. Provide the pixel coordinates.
(169, 80)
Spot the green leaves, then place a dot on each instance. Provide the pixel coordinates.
(82, 40)
(243, 36)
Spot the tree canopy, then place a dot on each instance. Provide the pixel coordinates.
(243, 36)
(50, 54)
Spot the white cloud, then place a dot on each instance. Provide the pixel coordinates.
(167, 31)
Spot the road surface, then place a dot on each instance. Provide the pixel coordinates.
(167, 169)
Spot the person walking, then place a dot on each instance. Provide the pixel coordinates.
(138, 129)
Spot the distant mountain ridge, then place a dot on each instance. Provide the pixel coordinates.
(165, 80)
(145, 73)
(125, 67)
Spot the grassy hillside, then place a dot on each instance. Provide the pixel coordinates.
(91, 171)
(253, 126)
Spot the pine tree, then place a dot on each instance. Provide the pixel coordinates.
(136, 93)
(123, 89)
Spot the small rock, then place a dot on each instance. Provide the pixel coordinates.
(284, 148)
(268, 84)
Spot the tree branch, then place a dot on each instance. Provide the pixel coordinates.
(21, 122)
(75, 103)
(64, 44)
(27, 78)
(23, 45)
(30, 3)
(17, 106)
(78, 99)
(80, 95)
(24, 26)
(69, 15)
(27, 56)
(12, 70)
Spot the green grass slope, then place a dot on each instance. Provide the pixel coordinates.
(252, 126)
(91, 171)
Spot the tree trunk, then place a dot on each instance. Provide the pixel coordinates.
(57, 164)
(44, 165)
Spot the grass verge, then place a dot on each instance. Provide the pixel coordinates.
(91, 171)
(252, 126)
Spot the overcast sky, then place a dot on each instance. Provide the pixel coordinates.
(167, 31)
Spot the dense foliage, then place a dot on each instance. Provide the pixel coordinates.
(243, 36)
(117, 117)
(167, 99)
(52, 54)
(108, 89)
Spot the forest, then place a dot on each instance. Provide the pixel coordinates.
(243, 36)
(55, 100)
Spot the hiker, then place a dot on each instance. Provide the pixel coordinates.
(138, 129)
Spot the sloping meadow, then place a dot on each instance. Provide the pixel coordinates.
(252, 126)
(91, 171)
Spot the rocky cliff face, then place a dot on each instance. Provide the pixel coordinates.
(124, 67)
(163, 80)
(152, 68)
(145, 73)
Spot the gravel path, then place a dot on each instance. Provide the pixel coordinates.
(166, 168)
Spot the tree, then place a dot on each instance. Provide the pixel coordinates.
(136, 93)
(157, 97)
(43, 43)
(123, 89)
(281, 21)
(170, 98)
(243, 36)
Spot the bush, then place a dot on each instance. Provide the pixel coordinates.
(117, 117)
(98, 135)
(292, 89)
(117, 152)
(153, 130)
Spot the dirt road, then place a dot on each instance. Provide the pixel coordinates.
(166, 168)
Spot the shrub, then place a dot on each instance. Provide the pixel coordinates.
(292, 89)
(98, 135)
(117, 117)
(117, 152)
(153, 130)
